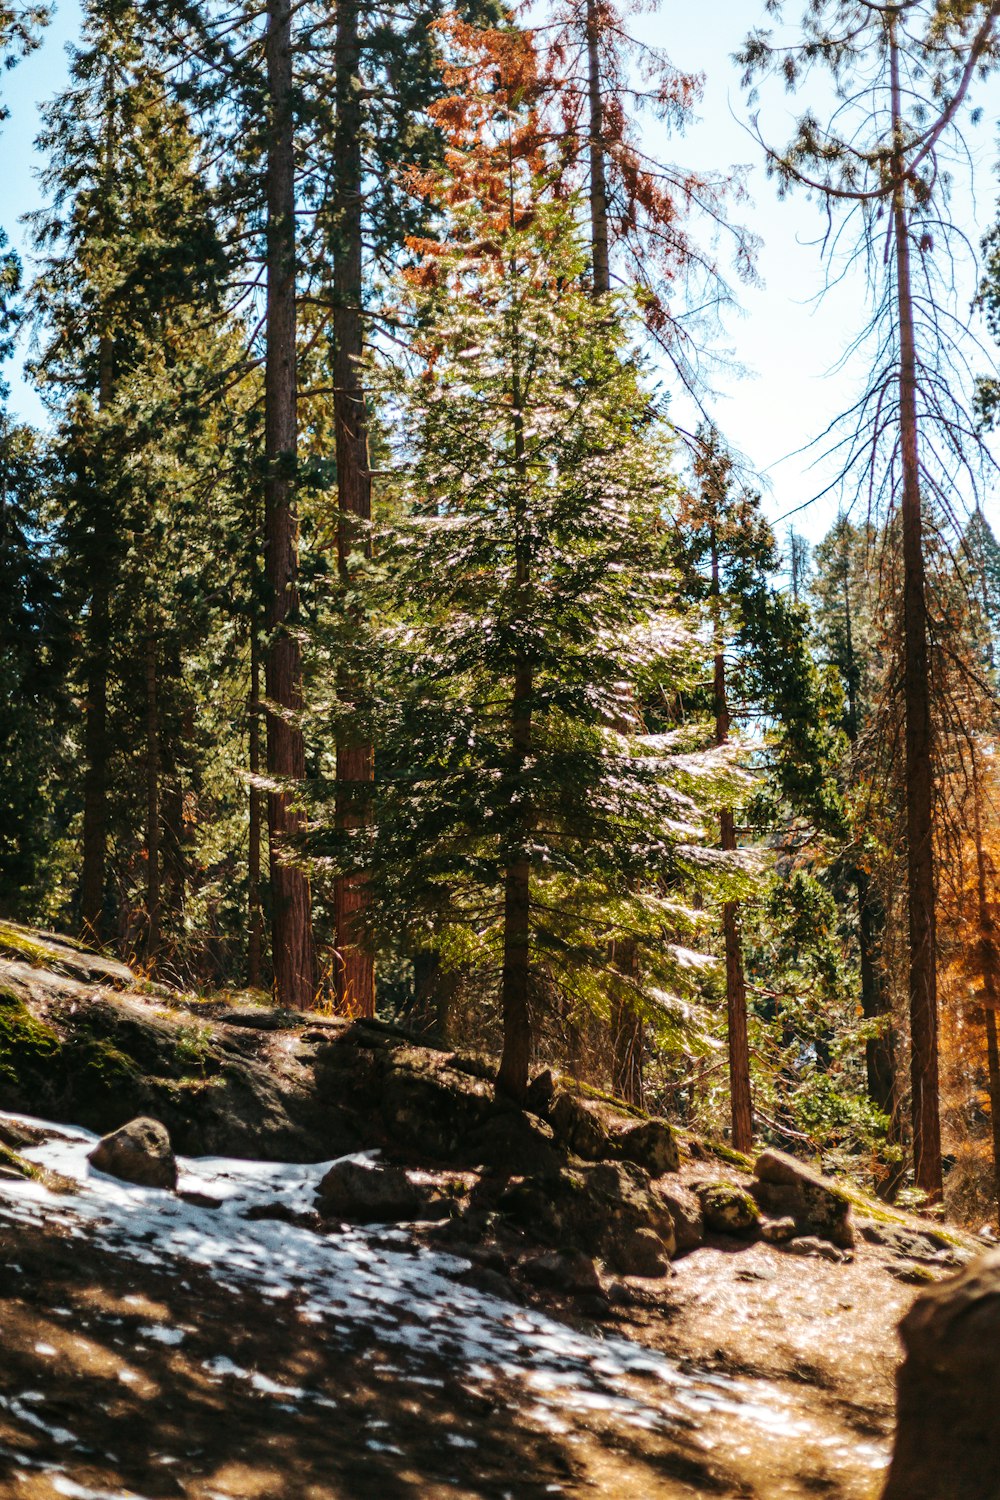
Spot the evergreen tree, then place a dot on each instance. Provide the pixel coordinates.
(521, 813)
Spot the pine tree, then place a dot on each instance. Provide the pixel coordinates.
(521, 815)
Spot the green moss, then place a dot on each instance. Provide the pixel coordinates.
(729, 1156)
(99, 1068)
(9, 1158)
(24, 1040)
(18, 944)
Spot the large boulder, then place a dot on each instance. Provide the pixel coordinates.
(727, 1208)
(948, 1391)
(686, 1212)
(786, 1188)
(139, 1152)
(598, 1132)
(609, 1210)
(372, 1192)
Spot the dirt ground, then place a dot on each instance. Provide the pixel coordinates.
(119, 1380)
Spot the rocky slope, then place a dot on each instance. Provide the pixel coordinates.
(477, 1301)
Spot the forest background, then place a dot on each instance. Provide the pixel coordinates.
(561, 749)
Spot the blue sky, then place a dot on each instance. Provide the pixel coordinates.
(790, 342)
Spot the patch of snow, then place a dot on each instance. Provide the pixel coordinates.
(377, 1281)
(161, 1334)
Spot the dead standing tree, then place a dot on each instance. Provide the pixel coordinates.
(900, 74)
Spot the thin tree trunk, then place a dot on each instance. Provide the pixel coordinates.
(96, 745)
(255, 937)
(355, 973)
(95, 782)
(515, 1061)
(512, 1078)
(741, 1102)
(598, 175)
(916, 689)
(627, 1030)
(291, 918)
(152, 793)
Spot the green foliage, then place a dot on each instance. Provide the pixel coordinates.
(525, 573)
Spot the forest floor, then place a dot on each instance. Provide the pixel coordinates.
(158, 1347)
(227, 1343)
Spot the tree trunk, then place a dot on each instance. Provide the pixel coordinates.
(433, 990)
(255, 917)
(879, 1061)
(989, 949)
(512, 1078)
(598, 175)
(627, 1030)
(95, 749)
(95, 737)
(355, 974)
(291, 919)
(916, 690)
(741, 1101)
(152, 793)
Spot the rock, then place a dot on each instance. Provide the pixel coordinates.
(372, 1192)
(914, 1244)
(541, 1092)
(431, 1107)
(727, 1209)
(198, 1200)
(512, 1142)
(777, 1231)
(948, 1391)
(685, 1210)
(564, 1271)
(609, 1210)
(598, 1132)
(650, 1144)
(495, 1283)
(912, 1274)
(139, 1152)
(810, 1244)
(264, 1018)
(787, 1188)
(578, 1127)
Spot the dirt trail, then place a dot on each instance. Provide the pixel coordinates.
(155, 1348)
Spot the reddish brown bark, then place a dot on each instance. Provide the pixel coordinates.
(291, 919)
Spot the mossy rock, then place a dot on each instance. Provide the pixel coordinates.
(728, 1208)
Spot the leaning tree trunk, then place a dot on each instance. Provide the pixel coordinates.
(355, 972)
(916, 691)
(600, 255)
(291, 919)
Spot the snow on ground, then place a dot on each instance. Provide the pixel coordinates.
(379, 1279)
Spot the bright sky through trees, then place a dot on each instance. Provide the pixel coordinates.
(788, 344)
